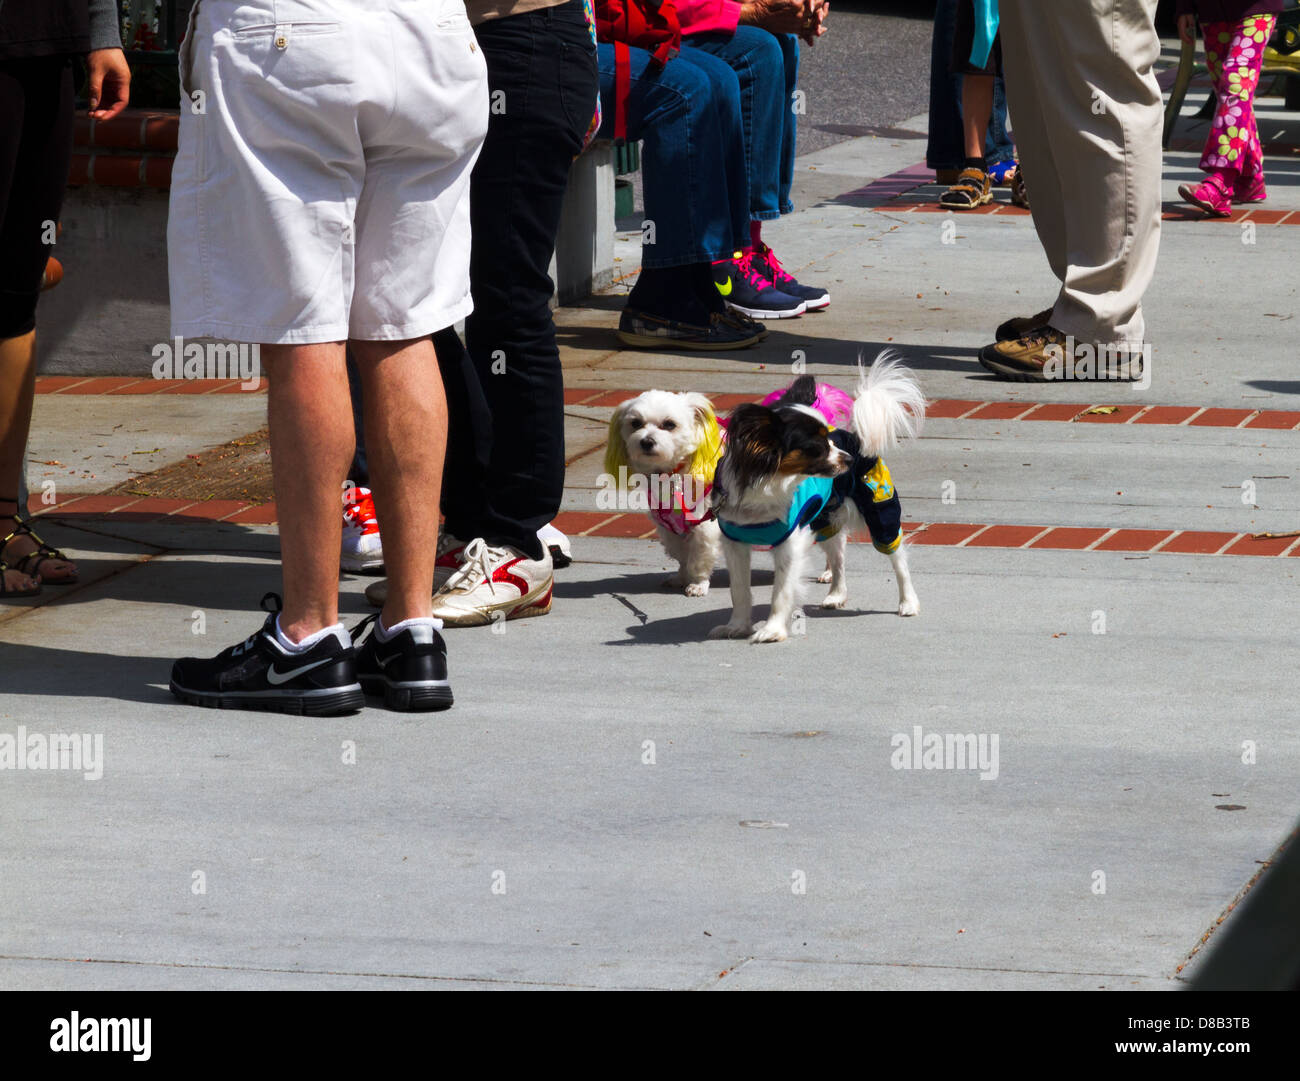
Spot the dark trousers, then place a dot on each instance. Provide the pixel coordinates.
(504, 476)
(36, 105)
(946, 147)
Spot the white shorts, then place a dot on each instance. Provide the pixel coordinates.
(321, 185)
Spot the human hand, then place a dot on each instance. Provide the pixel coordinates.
(1187, 28)
(109, 86)
(817, 11)
(779, 16)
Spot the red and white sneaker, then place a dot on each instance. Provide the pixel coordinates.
(362, 549)
(495, 584)
(451, 552)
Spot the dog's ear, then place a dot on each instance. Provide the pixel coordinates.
(754, 446)
(803, 391)
(616, 446)
(704, 462)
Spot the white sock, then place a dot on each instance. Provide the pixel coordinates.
(421, 627)
(301, 647)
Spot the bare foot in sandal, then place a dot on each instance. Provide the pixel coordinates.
(16, 584)
(23, 551)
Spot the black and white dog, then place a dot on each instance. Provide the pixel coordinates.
(788, 479)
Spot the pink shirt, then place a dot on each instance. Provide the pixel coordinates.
(708, 16)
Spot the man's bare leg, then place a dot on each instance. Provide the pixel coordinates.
(312, 442)
(406, 441)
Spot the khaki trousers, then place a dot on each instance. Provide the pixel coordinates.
(1087, 115)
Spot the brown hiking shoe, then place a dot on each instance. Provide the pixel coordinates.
(974, 188)
(1014, 328)
(1026, 359)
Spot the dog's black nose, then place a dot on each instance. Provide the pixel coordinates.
(648, 443)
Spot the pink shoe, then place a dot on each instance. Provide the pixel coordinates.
(1211, 196)
(1250, 191)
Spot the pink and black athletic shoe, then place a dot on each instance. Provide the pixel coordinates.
(745, 284)
(814, 298)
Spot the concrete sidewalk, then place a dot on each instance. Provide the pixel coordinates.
(615, 802)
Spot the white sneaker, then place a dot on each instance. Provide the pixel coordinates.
(491, 581)
(362, 549)
(557, 544)
(450, 554)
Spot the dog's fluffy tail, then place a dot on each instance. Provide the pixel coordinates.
(889, 406)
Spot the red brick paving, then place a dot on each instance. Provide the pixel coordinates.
(263, 515)
(1276, 419)
(1194, 542)
(1069, 538)
(942, 409)
(1005, 536)
(577, 522)
(1122, 414)
(1000, 411)
(1133, 540)
(945, 533)
(1221, 418)
(1056, 411)
(1167, 414)
(1264, 546)
(947, 408)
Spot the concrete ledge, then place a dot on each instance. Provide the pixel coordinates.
(584, 252)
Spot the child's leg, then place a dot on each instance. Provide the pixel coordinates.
(1234, 53)
(1256, 30)
(976, 111)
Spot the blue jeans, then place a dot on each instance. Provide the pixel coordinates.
(693, 160)
(767, 69)
(946, 147)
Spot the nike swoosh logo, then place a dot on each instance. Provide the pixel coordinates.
(726, 292)
(276, 677)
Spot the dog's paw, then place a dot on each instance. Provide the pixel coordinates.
(769, 632)
(835, 600)
(697, 589)
(910, 606)
(824, 577)
(729, 631)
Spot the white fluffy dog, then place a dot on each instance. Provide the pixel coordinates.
(667, 446)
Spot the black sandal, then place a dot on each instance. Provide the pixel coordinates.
(44, 552)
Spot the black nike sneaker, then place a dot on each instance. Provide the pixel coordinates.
(409, 669)
(259, 673)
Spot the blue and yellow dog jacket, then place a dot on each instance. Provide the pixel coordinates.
(867, 482)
